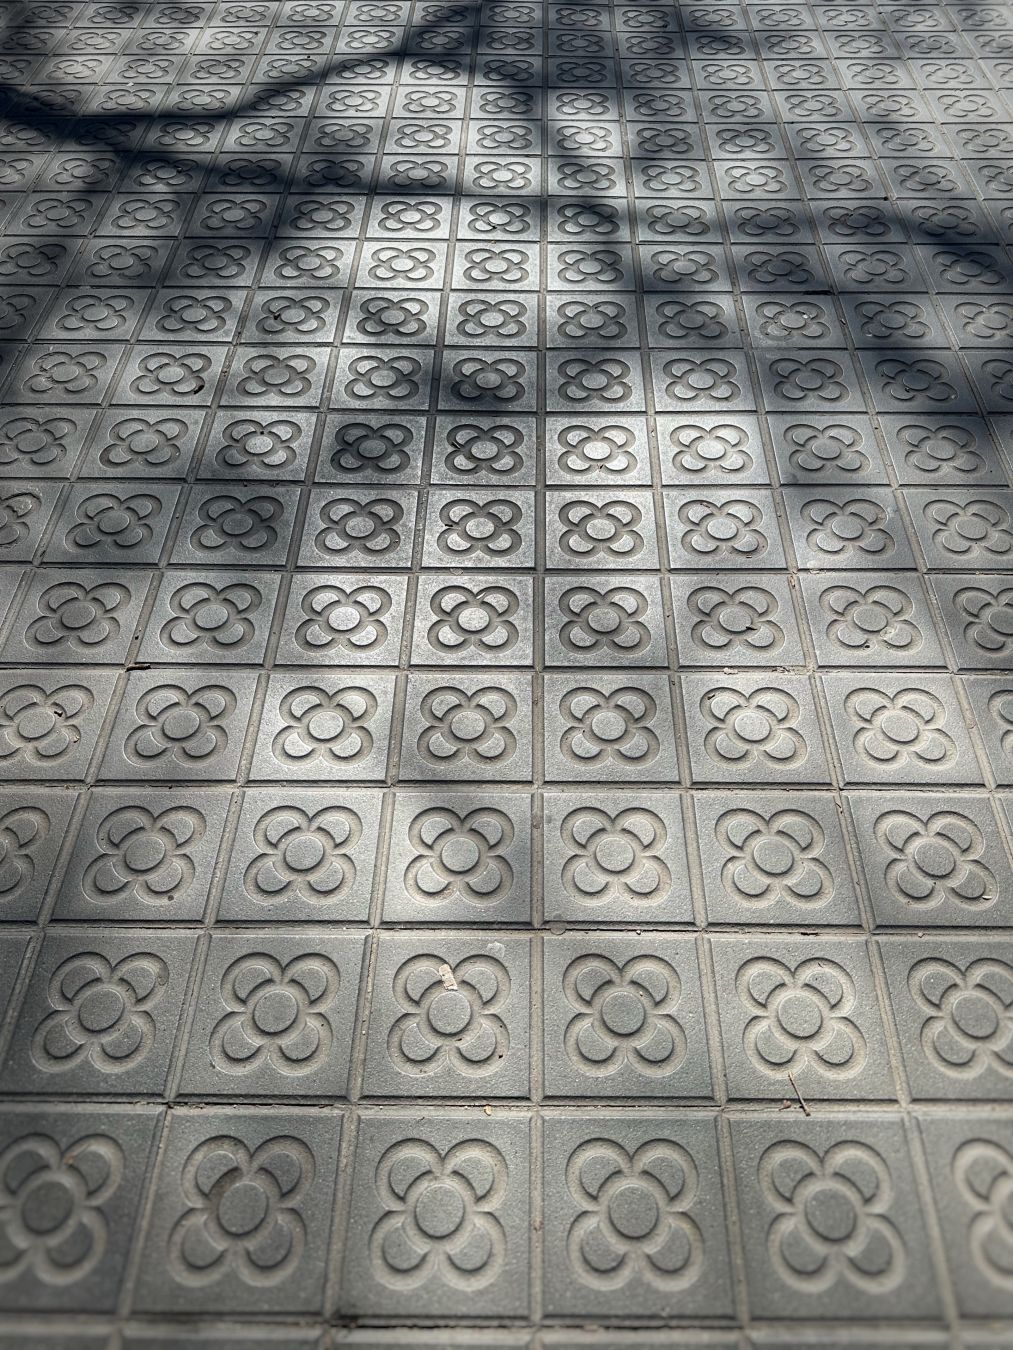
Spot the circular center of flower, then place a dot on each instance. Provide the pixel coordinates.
(633, 1211)
(459, 855)
(440, 1210)
(450, 1012)
(47, 1206)
(275, 1011)
(242, 1209)
(974, 1016)
(830, 1213)
(800, 1016)
(100, 1009)
(144, 853)
(304, 853)
(623, 1013)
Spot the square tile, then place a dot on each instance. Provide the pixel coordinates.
(101, 1012)
(789, 1173)
(754, 728)
(841, 528)
(951, 1002)
(722, 527)
(232, 524)
(302, 856)
(77, 615)
(897, 729)
(468, 728)
(166, 375)
(26, 508)
(871, 619)
(599, 528)
(183, 723)
(479, 528)
(950, 451)
(41, 442)
(201, 621)
(969, 1157)
(325, 725)
(734, 619)
(143, 856)
(613, 621)
(610, 857)
(774, 858)
(444, 1158)
(929, 859)
(817, 449)
(289, 1157)
(33, 826)
(623, 1016)
(713, 449)
(597, 451)
(278, 1023)
(800, 1015)
(593, 1171)
(50, 721)
(349, 528)
(991, 700)
(609, 728)
(715, 382)
(102, 1152)
(373, 448)
(977, 611)
(126, 524)
(155, 443)
(449, 1017)
(964, 530)
(473, 620)
(459, 858)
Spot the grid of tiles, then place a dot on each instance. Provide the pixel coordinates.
(506, 725)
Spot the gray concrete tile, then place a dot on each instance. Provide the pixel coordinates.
(302, 856)
(799, 1014)
(275, 1023)
(50, 721)
(100, 1013)
(449, 1017)
(964, 530)
(324, 726)
(797, 1183)
(734, 619)
(670, 1254)
(609, 729)
(722, 527)
(275, 1171)
(624, 1017)
(473, 620)
(467, 729)
(899, 729)
(931, 860)
(991, 700)
(871, 619)
(773, 858)
(614, 859)
(210, 622)
(712, 449)
(93, 1159)
(333, 619)
(69, 616)
(157, 442)
(416, 1183)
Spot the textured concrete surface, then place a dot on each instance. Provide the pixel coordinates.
(506, 723)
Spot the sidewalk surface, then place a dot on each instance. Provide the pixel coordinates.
(506, 712)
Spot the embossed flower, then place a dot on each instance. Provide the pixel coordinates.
(615, 859)
(743, 617)
(918, 378)
(941, 448)
(475, 449)
(143, 856)
(181, 374)
(230, 522)
(52, 1223)
(842, 528)
(243, 1212)
(174, 723)
(450, 1023)
(395, 377)
(602, 726)
(276, 1014)
(773, 859)
(634, 1221)
(988, 618)
(609, 620)
(800, 1018)
(303, 858)
(585, 450)
(460, 856)
(966, 528)
(481, 619)
(76, 616)
(440, 1219)
(101, 1013)
(968, 1026)
(467, 727)
(337, 617)
(607, 530)
(623, 1016)
(65, 373)
(878, 617)
(41, 725)
(830, 1222)
(22, 830)
(712, 528)
(691, 379)
(480, 379)
(935, 860)
(215, 617)
(608, 379)
(894, 730)
(755, 729)
(319, 724)
(700, 450)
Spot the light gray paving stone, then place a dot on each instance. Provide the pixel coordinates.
(275, 1022)
(613, 619)
(479, 529)
(100, 1013)
(340, 619)
(978, 614)
(606, 1241)
(733, 619)
(93, 1159)
(969, 1163)
(325, 725)
(302, 856)
(797, 1183)
(50, 721)
(899, 729)
(122, 525)
(624, 1017)
(157, 442)
(26, 509)
(612, 858)
(231, 525)
(449, 1017)
(840, 528)
(818, 449)
(276, 1170)
(953, 1004)
(871, 619)
(753, 728)
(991, 700)
(142, 855)
(932, 859)
(774, 857)
(412, 1180)
(722, 528)
(182, 723)
(33, 825)
(473, 620)
(467, 728)
(719, 450)
(799, 1014)
(609, 729)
